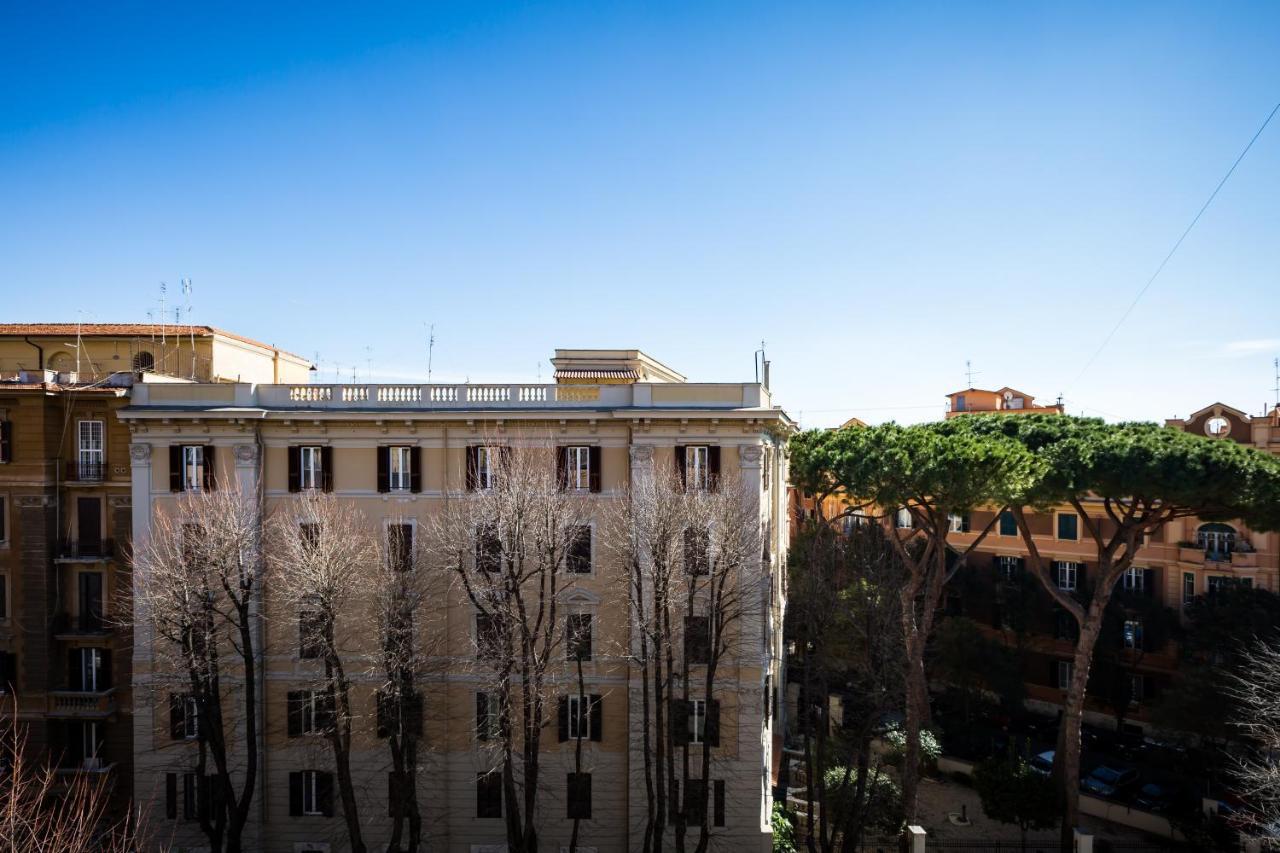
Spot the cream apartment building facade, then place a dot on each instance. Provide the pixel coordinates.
(623, 414)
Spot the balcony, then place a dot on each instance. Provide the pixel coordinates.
(1236, 558)
(79, 471)
(464, 397)
(90, 550)
(70, 626)
(82, 705)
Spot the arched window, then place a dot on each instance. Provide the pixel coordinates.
(62, 362)
(1216, 538)
(144, 362)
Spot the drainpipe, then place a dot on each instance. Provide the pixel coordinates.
(39, 349)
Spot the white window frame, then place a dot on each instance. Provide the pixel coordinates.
(307, 724)
(190, 717)
(697, 470)
(400, 467)
(1133, 633)
(591, 639)
(1008, 567)
(192, 467)
(579, 717)
(89, 742)
(1058, 529)
(91, 669)
(492, 713)
(903, 520)
(94, 451)
(955, 522)
(578, 462)
(311, 466)
(697, 720)
(1066, 575)
(1187, 598)
(1065, 671)
(1135, 579)
(311, 791)
(484, 468)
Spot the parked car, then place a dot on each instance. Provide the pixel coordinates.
(1108, 780)
(1043, 763)
(1153, 797)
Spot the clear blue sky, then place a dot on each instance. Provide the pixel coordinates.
(879, 191)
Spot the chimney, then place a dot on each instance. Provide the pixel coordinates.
(766, 375)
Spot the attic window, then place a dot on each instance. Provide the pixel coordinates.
(144, 362)
(1217, 427)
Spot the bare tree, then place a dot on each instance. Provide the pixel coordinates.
(691, 556)
(198, 585)
(1255, 686)
(402, 585)
(321, 556)
(42, 813)
(506, 543)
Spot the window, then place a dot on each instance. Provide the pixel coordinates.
(400, 546)
(8, 672)
(1067, 575)
(1135, 580)
(578, 558)
(1010, 567)
(1217, 583)
(903, 519)
(697, 467)
(1137, 689)
(1064, 668)
(1008, 524)
(489, 795)
(192, 467)
(91, 450)
(697, 720)
(311, 793)
(311, 634)
(959, 402)
(1133, 633)
(310, 467)
(487, 716)
(1188, 587)
(1216, 538)
(697, 544)
(697, 639)
(577, 638)
(488, 548)
(191, 799)
(184, 716)
(310, 712)
(1064, 625)
(400, 468)
(579, 717)
(90, 670)
(958, 522)
(6, 441)
(4, 527)
(89, 601)
(579, 796)
(577, 468)
(488, 636)
(484, 471)
(309, 535)
(766, 468)
(144, 362)
(1068, 526)
(4, 596)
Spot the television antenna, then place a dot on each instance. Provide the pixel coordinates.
(969, 373)
(431, 345)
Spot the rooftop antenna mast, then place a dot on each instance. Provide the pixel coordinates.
(969, 373)
(431, 345)
(187, 287)
(1276, 363)
(368, 363)
(762, 366)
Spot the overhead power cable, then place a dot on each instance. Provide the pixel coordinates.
(1172, 251)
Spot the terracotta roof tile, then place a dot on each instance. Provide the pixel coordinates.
(130, 330)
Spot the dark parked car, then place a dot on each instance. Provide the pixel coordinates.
(1109, 781)
(1153, 797)
(1043, 763)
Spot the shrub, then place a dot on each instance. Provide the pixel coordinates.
(784, 829)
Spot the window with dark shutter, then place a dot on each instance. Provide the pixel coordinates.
(397, 795)
(471, 467)
(178, 716)
(593, 483)
(697, 545)
(577, 640)
(208, 476)
(295, 794)
(578, 558)
(680, 709)
(415, 469)
(6, 441)
(682, 466)
(718, 812)
(488, 638)
(489, 795)
(311, 634)
(1008, 524)
(579, 796)
(324, 793)
(171, 796)
(176, 480)
(488, 549)
(384, 469)
(487, 716)
(562, 718)
(697, 639)
(326, 468)
(712, 728)
(400, 546)
(295, 468)
(695, 801)
(596, 717)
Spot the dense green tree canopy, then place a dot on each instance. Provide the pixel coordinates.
(947, 466)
